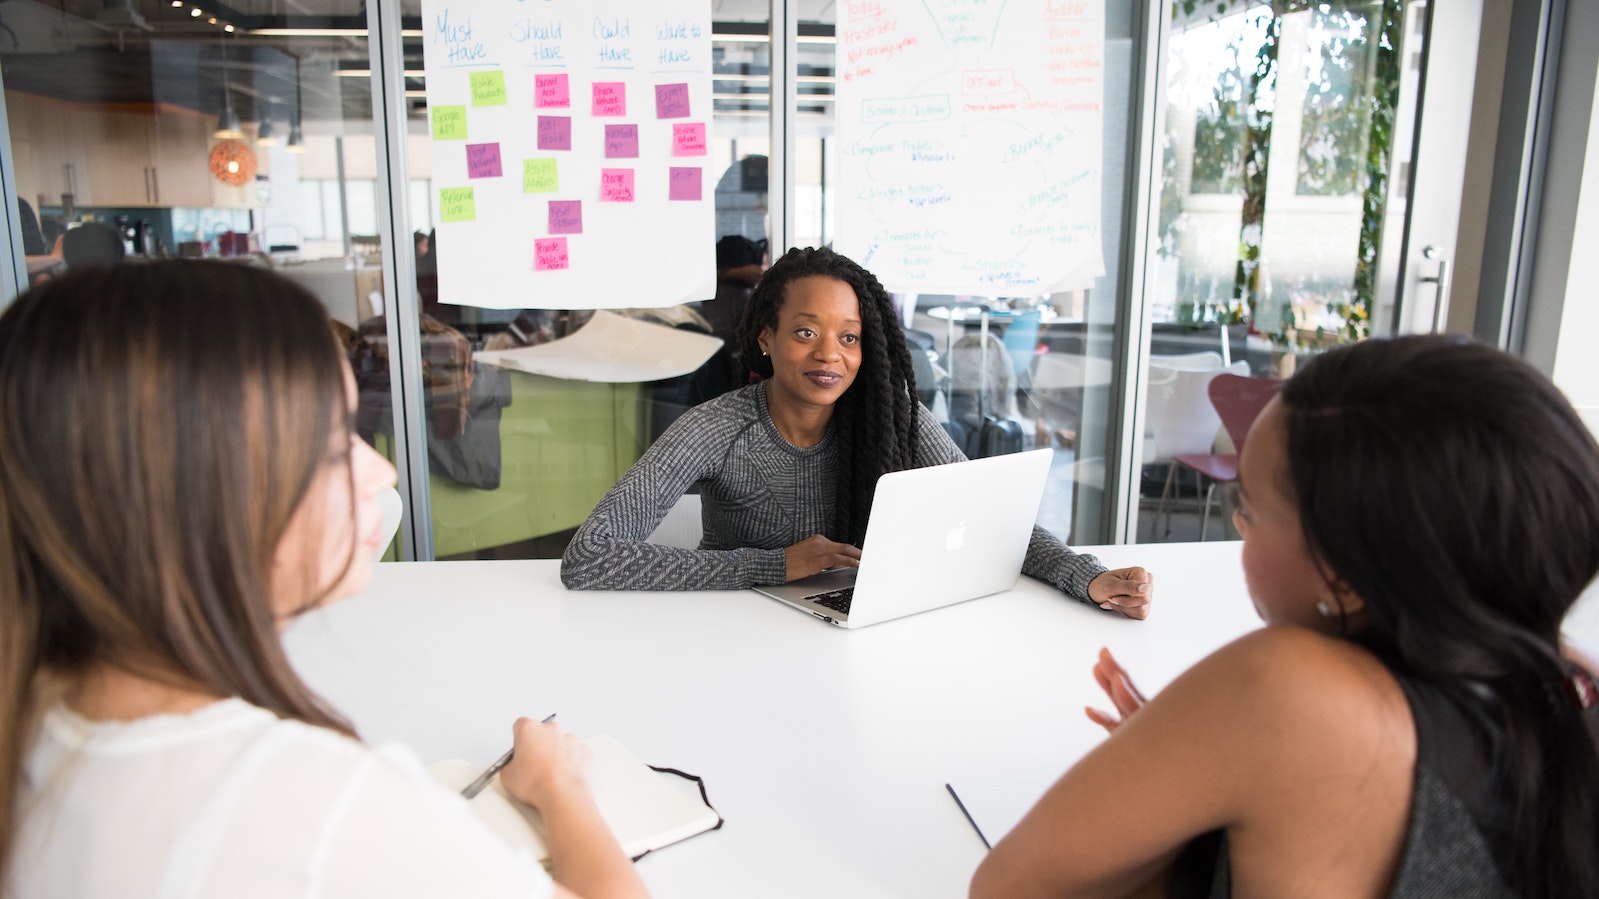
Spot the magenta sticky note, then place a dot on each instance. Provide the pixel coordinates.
(566, 217)
(621, 141)
(483, 161)
(610, 98)
(555, 132)
(671, 101)
(684, 184)
(688, 139)
(616, 185)
(552, 91)
(549, 254)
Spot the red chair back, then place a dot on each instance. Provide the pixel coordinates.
(1239, 401)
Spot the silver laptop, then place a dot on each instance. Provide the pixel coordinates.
(938, 536)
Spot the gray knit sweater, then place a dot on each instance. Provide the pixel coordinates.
(759, 495)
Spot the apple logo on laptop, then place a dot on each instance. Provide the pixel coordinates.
(956, 538)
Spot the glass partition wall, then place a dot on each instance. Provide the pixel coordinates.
(1054, 353)
(177, 129)
(1283, 168)
(516, 460)
(562, 443)
(269, 132)
(255, 135)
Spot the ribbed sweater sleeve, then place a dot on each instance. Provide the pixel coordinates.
(609, 551)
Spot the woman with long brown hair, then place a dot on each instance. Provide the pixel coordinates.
(178, 479)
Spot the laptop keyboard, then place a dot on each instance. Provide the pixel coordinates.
(837, 600)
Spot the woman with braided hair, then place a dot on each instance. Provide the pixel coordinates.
(787, 467)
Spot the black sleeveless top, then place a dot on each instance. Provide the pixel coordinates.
(1457, 830)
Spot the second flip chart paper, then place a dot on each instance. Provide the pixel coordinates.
(603, 108)
(970, 143)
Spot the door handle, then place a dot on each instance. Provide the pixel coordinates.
(1440, 306)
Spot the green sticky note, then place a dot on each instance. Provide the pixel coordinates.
(538, 176)
(449, 123)
(488, 88)
(457, 204)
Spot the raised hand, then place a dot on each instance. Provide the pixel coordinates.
(1119, 687)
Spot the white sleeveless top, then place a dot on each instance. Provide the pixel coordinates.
(232, 801)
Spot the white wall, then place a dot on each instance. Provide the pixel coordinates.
(1564, 340)
(1576, 364)
(1562, 322)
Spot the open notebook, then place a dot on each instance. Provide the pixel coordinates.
(645, 811)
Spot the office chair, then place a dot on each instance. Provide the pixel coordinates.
(1181, 419)
(1238, 401)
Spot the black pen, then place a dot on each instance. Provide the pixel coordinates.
(476, 786)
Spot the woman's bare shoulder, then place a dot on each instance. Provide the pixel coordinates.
(1293, 665)
(1279, 644)
(1291, 689)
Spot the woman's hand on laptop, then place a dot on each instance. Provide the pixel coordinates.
(817, 554)
(1124, 590)
(1119, 687)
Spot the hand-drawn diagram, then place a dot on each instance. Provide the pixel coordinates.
(970, 143)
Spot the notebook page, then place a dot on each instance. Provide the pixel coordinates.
(644, 811)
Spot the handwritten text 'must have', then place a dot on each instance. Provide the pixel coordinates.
(462, 45)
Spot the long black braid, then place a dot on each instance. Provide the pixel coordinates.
(875, 421)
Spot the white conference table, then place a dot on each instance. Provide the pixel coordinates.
(825, 750)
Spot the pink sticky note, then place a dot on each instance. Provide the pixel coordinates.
(688, 139)
(684, 184)
(549, 254)
(671, 101)
(551, 91)
(566, 216)
(555, 132)
(621, 141)
(610, 98)
(616, 185)
(483, 161)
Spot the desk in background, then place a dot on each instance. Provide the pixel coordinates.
(826, 750)
(562, 445)
(344, 291)
(972, 313)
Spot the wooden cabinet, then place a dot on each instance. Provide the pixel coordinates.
(118, 147)
(57, 160)
(22, 163)
(115, 157)
(178, 163)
